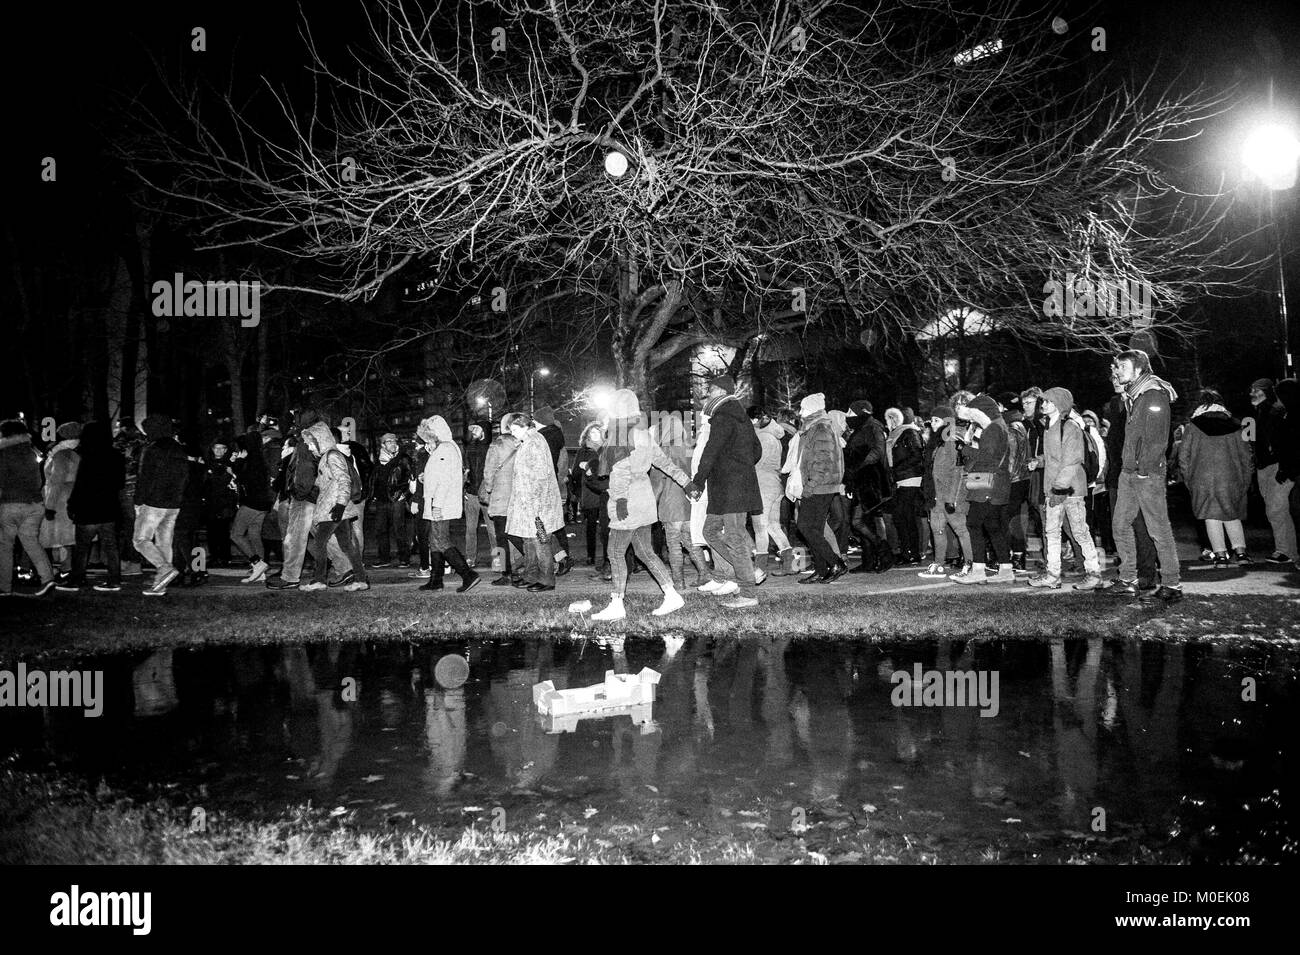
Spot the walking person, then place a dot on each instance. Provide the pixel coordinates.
(391, 494)
(674, 505)
(628, 459)
(128, 439)
(220, 501)
(444, 494)
(1287, 444)
(591, 489)
(475, 456)
(58, 533)
(253, 487)
(726, 473)
(1141, 487)
(494, 493)
(815, 478)
(772, 491)
(189, 518)
(22, 507)
(1116, 412)
(1270, 415)
(904, 453)
(297, 504)
(1019, 441)
(535, 511)
(986, 458)
(1216, 463)
(867, 477)
(333, 512)
(93, 506)
(550, 430)
(1066, 481)
(159, 491)
(946, 493)
(1031, 418)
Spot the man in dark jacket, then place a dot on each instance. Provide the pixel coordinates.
(93, 506)
(299, 490)
(726, 474)
(21, 506)
(159, 490)
(987, 452)
(866, 477)
(475, 455)
(1116, 413)
(816, 476)
(1270, 416)
(390, 491)
(1142, 477)
(253, 484)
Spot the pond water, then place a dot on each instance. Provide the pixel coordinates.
(1102, 747)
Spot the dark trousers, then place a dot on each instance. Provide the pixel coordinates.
(422, 543)
(837, 515)
(1015, 529)
(1099, 519)
(218, 529)
(186, 536)
(597, 521)
(392, 524)
(343, 532)
(813, 509)
(507, 543)
(987, 524)
(86, 534)
(907, 511)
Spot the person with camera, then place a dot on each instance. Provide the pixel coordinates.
(1066, 483)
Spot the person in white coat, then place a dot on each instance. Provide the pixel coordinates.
(770, 486)
(443, 502)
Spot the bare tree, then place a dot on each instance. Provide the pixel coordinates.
(787, 163)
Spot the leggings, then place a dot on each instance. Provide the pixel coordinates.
(640, 541)
(988, 526)
(678, 537)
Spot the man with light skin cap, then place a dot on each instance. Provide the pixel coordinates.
(1065, 483)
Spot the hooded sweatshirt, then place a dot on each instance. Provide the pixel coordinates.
(768, 468)
(443, 481)
(1146, 430)
(164, 467)
(1063, 448)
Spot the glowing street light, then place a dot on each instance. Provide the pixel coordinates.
(615, 163)
(1271, 152)
(544, 372)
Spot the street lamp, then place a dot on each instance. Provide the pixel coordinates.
(539, 371)
(1271, 152)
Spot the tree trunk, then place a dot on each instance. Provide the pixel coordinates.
(263, 367)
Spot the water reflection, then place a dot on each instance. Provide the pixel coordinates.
(1158, 736)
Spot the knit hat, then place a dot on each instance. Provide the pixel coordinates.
(69, 431)
(725, 382)
(387, 435)
(943, 411)
(812, 404)
(544, 416)
(986, 406)
(1060, 397)
(860, 408)
(1263, 384)
(624, 404)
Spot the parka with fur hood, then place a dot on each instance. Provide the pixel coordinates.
(443, 472)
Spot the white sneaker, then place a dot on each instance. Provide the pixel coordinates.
(973, 574)
(934, 572)
(759, 577)
(424, 574)
(160, 583)
(672, 601)
(356, 585)
(741, 603)
(1006, 574)
(614, 611)
(314, 585)
(257, 573)
(727, 589)
(710, 587)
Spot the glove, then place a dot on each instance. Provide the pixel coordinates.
(51, 514)
(693, 490)
(950, 508)
(620, 508)
(336, 512)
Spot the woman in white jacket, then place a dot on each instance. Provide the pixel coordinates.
(444, 482)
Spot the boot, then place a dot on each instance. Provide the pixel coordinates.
(435, 571)
(884, 558)
(760, 565)
(782, 566)
(869, 559)
(1018, 561)
(468, 578)
(614, 611)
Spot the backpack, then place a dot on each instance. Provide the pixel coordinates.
(1094, 455)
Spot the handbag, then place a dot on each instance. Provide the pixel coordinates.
(979, 481)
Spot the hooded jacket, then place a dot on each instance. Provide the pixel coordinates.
(1063, 447)
(768, 468)
(1216, 463)
(674, 506)
(333, 475)
(101, 476)
(947, 478)
(60, 475)
(866, 469)
(992, 453)
(1146, 430)
(164, 467)
(20, 471)
(903, 448)
(726, 468)
(629, 480)
(443, 472)
(1270, 416)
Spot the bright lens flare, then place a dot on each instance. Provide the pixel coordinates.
(1271, 153)
(615, 164)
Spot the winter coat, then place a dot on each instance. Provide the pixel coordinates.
(992, 452)
(903, 446)
(1146, 430)
(60, 475)
(768, 468)
(272, 443)
(390, 481)
(101, 474)
(866, 470)
(251, 478)
(1270, 416)
(333, 474)
(946, 474)
(674, 505)
(499, 475)
(589, 488)
(629, 481)
(20, 471)
(1116, 413)
(821, 459)
(1287, 445)
(1216, 465)
(475, 457)
(534, 491)
(726, 467)
(220, 487)
(444, 474)
(1063, 456)
(164, 466)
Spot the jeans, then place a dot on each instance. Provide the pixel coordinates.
(1277, 505)
(344, 534)
(677, 537)
(154, 527)
(538, 564)
(392, 524)
(726, 535)
(940, 521)
(473, 510)
(246, 532)
(768, 524)
(1074, 512)
(987, 523)
(597, 521)
(1144, 496)
(1236, 533)
(86, 534)
(639, 539)
(22, 521)
(296, 524)
(813, 509)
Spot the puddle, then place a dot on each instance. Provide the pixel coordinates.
(1097, 748)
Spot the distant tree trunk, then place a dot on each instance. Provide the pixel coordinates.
(233, 352)
(135, 256)
(263, 367)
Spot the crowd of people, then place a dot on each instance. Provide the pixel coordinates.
(958, 492)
